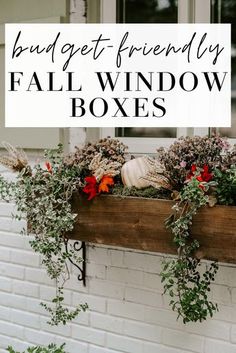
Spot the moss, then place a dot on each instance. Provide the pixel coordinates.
(149, 192)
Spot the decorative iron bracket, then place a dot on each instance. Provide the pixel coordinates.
(79, 246)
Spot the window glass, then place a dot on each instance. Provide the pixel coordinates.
(224, 11)
(146, 11)
(146, 132)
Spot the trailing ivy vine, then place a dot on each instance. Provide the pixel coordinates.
(51, 348)
(183, 281)
(42, 195)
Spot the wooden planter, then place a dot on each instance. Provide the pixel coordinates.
(138, 223)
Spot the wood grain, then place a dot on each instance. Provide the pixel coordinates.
(138, 223)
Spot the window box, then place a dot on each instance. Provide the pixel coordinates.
(138, 223)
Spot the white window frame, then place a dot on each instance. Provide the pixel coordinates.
(189, 11)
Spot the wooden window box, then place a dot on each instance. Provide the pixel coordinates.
(138, 223)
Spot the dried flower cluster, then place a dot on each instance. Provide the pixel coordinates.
(213, 151)
(109, 148)
(102, 166)
(156, 174)
(16, 159)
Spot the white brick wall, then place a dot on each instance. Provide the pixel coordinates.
(127, 310)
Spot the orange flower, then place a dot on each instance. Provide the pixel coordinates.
(105, 183)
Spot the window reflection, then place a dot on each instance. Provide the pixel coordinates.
(224, 11)
(147, 11)
(146, 132)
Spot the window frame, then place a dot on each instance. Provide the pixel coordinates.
(189, 11)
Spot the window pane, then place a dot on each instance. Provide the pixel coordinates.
(224, 11)
(145, 132)
(147, 11)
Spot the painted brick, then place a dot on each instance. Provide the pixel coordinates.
(152, 263)
(216, 346)
(83, 318)
(107, 288)
(106, 322)
(143, 331)
(157, 348)
(134, 260)
(99, 255)
(38, 276)
(117, 258)
(6, 209)
(124, 309)
(6, 341)
(125, 344)
(165, 318)
(27, 245)
(27, 258)
(5, 255)
(233, 310)
(166, 301)
(11, 239)
(62, 330)
(9, 329)
(13, 271)
(33, 305)
(12, 301)
(75, 285)
(142, 296)
(211, 328)
(25, 319)
(221, 294)
(94, 349)
(226, 276)
(90, 335)
(125, 276)
(183, 340)
(47, 293)
(233, 334)
(234, 295)
(72, 346)
(226, 313)
(5, 313)
(12, 225)
(5, 284)
(96, 271)
(38, 337)
(94, 303)
(25, 288)
(152, 281)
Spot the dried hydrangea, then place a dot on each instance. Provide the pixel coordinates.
(213, 151)
(112, 149)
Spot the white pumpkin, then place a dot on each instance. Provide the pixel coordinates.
(134, 170)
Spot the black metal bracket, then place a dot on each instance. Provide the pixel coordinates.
(79, 246)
